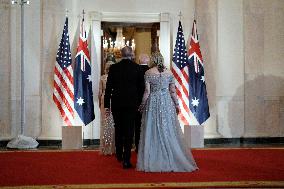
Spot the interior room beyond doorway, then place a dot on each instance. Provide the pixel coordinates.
(142, 37)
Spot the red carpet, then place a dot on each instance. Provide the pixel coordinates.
(217, 167)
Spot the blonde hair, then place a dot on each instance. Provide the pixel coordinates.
(157, 60)
(107, 66)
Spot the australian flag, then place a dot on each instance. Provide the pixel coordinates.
(83, 94)
(198, 103)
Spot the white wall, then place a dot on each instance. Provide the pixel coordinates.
(52, 22)
(5, 70)
(241, 42)
(264, 68)
(230, 68)
(33, 65)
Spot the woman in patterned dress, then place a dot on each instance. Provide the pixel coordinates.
(107, 145)
(161, 146)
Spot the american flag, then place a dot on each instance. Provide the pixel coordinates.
(84, 104)
(197, 89)
(63, 94)
(180, 72)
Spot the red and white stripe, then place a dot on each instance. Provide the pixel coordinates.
(63, 94)
(194, 48)
(182, 87)
(82, 48)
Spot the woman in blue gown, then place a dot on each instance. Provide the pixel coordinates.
(161, 147)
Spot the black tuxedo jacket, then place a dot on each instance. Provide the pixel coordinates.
(124, 85)
(144, 68)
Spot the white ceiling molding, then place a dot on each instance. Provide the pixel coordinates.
(125, 17)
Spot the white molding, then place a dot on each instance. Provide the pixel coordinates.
(49, 138)
(125, 17)
(165, 38)
(94, 129)
(95, 16)
(4, 138)
(138, 17)
(164, 17)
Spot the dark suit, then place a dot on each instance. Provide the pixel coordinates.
(124, 84)
(143, 68)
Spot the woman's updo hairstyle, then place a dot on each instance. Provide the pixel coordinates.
(157, 60)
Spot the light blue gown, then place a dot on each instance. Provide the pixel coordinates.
(161, 146)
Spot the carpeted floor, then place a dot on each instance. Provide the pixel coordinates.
(87, 169)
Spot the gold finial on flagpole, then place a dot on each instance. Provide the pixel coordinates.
(180, 15)
(66, 12)
(83, 14)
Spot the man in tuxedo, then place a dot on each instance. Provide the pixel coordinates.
(124, 84)
(144, 60)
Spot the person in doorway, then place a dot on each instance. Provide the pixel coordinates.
(144, 60)
(124, 84)
(107, 142)
(161, 146)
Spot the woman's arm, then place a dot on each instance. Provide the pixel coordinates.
(173, 94)
(145, 95)
(172, 89)
(100, 92)
(109, 86)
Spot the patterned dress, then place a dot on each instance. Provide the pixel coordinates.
(161, 147)
(107, 144)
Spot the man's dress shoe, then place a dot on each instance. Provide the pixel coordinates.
(126, 165)
(119, 158)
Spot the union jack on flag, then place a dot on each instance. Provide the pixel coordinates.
(180, 72)
(83, 102)
(197, 89)
(63, 94)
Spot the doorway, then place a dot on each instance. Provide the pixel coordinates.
(96, 19)
(143, 38)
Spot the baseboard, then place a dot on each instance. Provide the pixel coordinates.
(244, 141)
(207, 142)
(56, 143)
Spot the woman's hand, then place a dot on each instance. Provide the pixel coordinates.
(107, 111)
(141, 108)
(177, 110)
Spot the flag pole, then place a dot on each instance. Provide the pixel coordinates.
(23, 105)
(84, 146)
(194, 14)
(180, 15)
(22, 142)
(83, 14)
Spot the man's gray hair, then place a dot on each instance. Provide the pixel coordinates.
(144, 59)
(126, 52)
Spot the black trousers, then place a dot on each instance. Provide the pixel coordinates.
(124, 120)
